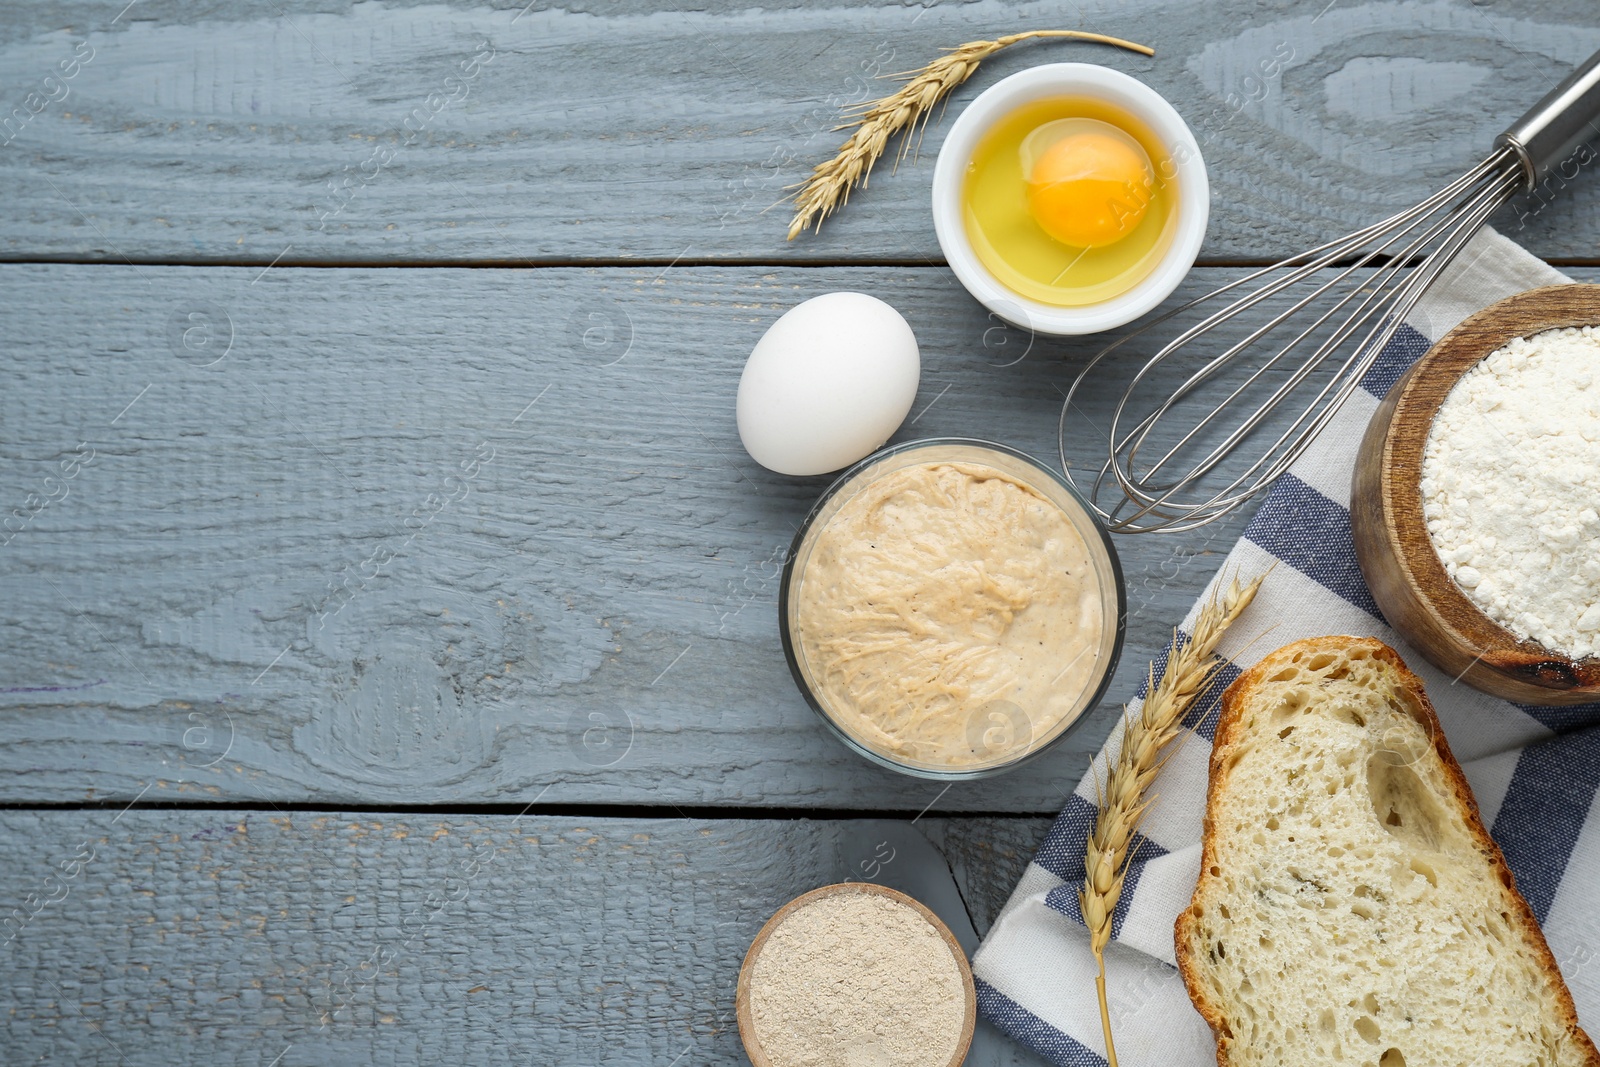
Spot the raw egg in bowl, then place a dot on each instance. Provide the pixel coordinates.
(1070, 198)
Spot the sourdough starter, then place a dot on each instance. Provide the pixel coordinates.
(950, 615)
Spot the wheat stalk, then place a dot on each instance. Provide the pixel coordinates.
(1123, 800)
(828, 188)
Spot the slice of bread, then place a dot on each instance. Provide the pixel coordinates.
(1351, 908)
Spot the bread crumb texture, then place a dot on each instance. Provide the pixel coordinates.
(857, 980)
(1348, 913)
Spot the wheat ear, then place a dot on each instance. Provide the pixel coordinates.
(1123, 798)
(830, 183)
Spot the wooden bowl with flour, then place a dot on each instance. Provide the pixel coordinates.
(862, 967)
(1397, 554)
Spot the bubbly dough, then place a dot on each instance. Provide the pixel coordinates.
(950, 616)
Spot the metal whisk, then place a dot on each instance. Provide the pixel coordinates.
(1347, 297)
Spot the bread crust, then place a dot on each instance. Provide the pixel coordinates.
(1228, 728)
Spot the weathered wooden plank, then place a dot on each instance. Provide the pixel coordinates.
(458, 131)
(411, 539)
(161, 937)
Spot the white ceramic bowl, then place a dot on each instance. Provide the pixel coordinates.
(1072, 79)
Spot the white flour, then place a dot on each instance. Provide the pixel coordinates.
(1511, 488)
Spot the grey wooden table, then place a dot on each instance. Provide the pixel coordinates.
(390, 670)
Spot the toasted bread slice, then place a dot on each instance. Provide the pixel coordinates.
(1351, 908)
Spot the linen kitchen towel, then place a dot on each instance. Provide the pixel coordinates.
(1534, 770)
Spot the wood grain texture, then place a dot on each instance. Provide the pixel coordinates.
(162, 937)
(1393, 546)
(251, 130)
(446, 536)
(440, 536)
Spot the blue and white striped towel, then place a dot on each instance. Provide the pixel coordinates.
(1534, 770)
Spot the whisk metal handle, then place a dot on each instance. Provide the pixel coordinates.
(1568, 116)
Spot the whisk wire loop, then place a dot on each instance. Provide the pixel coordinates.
(1378, 273)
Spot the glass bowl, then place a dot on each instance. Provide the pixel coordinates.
(1000, 734)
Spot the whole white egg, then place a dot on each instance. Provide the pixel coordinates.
(827, 384)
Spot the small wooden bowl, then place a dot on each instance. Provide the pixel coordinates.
(747, 1029)
(1408, 580)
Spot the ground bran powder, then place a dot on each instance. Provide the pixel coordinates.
(856, 980)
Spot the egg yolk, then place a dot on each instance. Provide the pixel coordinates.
(1089, 189)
